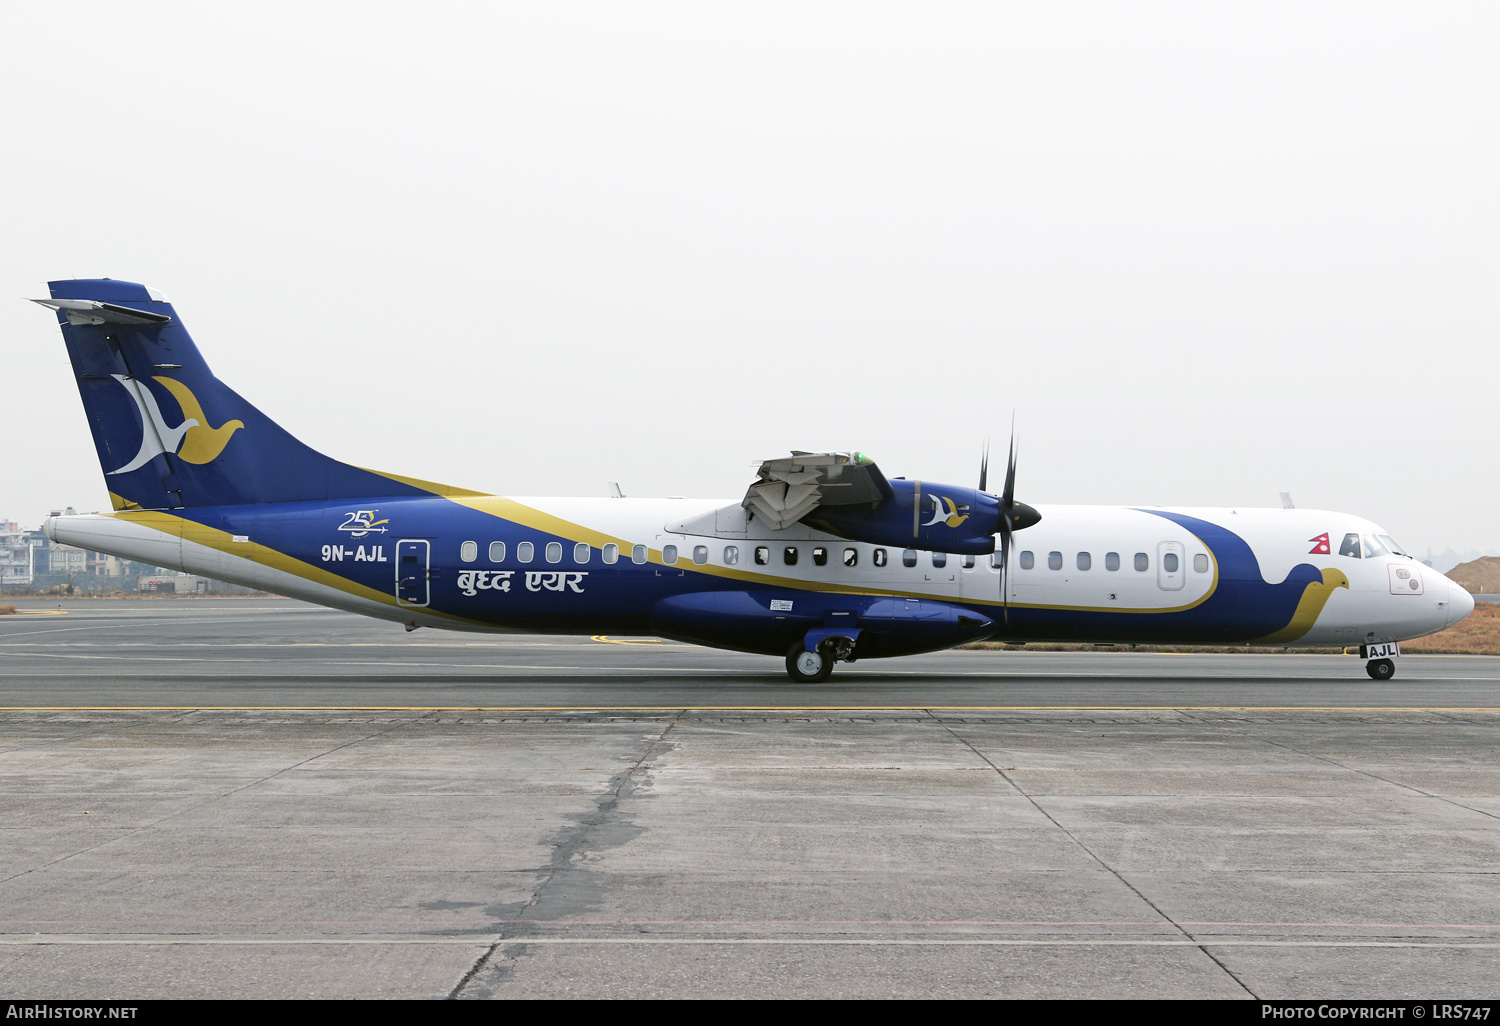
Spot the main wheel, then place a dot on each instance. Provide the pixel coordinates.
(806, 667)
(1381, 669)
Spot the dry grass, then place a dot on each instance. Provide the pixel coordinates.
(7, 610)
(1477, 635)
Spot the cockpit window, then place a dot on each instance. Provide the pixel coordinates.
(1350, 546)
(1372, 547)
(1390, 543)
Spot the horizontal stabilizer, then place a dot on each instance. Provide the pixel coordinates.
(93, 311)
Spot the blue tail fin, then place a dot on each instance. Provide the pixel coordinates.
(171, 435)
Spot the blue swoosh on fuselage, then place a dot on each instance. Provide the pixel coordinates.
(1243, 607)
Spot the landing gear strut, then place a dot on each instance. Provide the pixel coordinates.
(806, 667)
(1381, 669)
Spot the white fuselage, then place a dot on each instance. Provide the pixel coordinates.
(1078, 561)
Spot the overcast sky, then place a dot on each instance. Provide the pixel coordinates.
(1206, 252)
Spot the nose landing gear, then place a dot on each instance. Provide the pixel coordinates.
(1380, 659)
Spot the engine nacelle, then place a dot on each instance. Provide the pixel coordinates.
(771, 620)
(920, 515)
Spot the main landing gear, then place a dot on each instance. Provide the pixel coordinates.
(1381, 669)
(815, 667)
(828, 645)
(806, 667)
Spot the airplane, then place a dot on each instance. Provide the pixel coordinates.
(823, 560)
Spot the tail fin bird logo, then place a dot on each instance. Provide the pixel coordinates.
(945, 511)
(194, 440)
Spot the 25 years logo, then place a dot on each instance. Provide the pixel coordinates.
(362, 522)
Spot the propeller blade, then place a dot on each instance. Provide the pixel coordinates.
(984, 466)
(1005, 572)
(1008, 496)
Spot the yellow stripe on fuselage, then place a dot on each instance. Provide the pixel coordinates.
(220, 541)
(529, 516)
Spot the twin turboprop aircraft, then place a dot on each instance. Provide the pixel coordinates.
(824, 559)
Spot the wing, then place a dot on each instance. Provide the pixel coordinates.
(788, 489)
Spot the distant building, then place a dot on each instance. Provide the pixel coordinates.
(172, 584)
(18, 553)
(29, 563)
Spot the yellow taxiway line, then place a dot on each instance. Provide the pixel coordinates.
(747, 708)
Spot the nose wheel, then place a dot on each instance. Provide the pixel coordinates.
(1381, 669)
(806, 667)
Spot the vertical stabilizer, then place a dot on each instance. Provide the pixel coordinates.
(169, 434)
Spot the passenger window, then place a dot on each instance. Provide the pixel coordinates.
(909, 557)
(731, 555)
(820, 555)
(997, 559)
(524, 552)
(1169, 562)
(851, 557)
(700, 554)
(468, 551)
(940, 559)
(638, 553)
(554, 552)
(968, 562)
(582, 553)
(669, 554)
(762, 555)
(497, 552)
(1028, 560)
(1350, 546)
(789, 555)
(611, 552)
(1054, 560)
(1111, 561)
(1142, 562)
(1200, 563)
(879, 558)
(1085, 560)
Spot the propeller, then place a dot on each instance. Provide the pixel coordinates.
(1014, 516)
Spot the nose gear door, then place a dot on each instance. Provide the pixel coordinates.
(412, 557)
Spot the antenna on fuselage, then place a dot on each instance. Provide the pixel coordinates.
(614, 490)
(1286, 501)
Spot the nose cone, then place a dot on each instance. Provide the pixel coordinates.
(1460, 603)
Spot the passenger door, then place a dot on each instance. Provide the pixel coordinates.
(412, 556)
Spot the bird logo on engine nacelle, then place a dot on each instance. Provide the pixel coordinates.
(946, 511)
